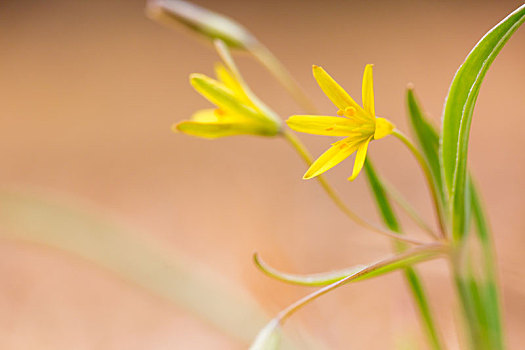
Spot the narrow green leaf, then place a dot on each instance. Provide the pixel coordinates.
(481, 297)
(407, 258)
(457, 118)
(413, 279)
(427, 139)
(269, 336)
(476, 281)
(324, 279)
(310, 280)
(478, 214)
(381, 198)
(458, 110)
(488, 286)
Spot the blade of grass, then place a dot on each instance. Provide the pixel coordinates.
(427, 139)
(412, 277)
(458, 111)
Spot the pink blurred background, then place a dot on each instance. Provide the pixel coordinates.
(89, 90)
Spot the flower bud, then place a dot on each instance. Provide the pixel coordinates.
(202, 21)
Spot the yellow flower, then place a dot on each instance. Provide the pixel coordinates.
(238, 112)
(358, 124)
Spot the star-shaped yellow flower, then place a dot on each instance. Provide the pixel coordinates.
(238, 112)
(359, 124)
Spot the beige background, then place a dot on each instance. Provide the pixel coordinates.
(89, 89)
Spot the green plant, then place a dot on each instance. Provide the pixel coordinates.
(441, 154)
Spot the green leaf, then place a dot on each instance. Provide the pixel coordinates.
(488, 286)
(458, 112)
(413, 279)
(310, 280)
(457, 118)
(427, 139)
(324, 279)
(265, 340)
(381, 198)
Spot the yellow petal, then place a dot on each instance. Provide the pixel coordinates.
(333, 156)
(334, 91)
(227, 78)
(323, 125)
(205, 116)
(360, 157)
(224, 98)
(221, 129)
(383, 128)
(230, 80)
(368, 90)
(204, 130)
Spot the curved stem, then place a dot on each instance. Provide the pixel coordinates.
(305, 155)
(283, 76)
(428, 176)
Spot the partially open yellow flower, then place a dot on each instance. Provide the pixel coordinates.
(358, 124)
(238, 112)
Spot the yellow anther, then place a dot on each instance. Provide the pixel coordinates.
(350, 111)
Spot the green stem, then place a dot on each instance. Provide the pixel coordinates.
(428, 176)
(305, 155)
(282, 75)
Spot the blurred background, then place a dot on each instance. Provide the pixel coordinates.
(88, 92)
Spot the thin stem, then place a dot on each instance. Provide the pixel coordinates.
(409, 209)
(305, 155)
(433, 247)
(282, 75)
(428, 176)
